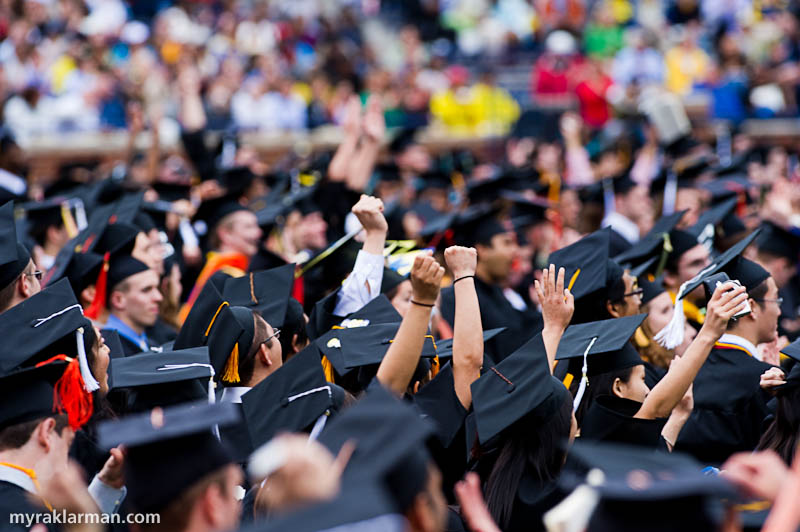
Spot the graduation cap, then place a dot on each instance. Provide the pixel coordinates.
(41, 391)
(434, 179)
(168, 450)
(231, 338)
(267, 291)
(322, 319)
(651, 289)
(777, 241)
(48, 323)
(491, 189)
(111, 339)
(236, 180)
(198, 323)
(356, 347)
(478, 224)
(172, 191)
(727, 187)
(705, 228)
(164, 379)
(40, 215)
(118, 239)
(122, 268)
(525, 211)
(672, 335)
(519, 386)
(656, 242)
(14, 257)
(365, 505)
(291, 399)
(388, 172)
(389, 438)
(212, 211)
(793, 378)
(444, 348)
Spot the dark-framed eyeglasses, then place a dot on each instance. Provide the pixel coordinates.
(637, 292)
(276, 333)
(38, 274)
(777, 300)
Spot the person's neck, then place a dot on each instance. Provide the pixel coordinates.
(138, 329)
(51, 249)
(742, 331)
(28, 458)
(260, 372)
(228, 250)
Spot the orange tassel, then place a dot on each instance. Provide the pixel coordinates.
(69, 395)
(99, 301)
(231, 373)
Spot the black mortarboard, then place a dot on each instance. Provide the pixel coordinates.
(230, 340)
(291, 399)
(29, 394)
(588, 270)
(118, 239)
(724, 188)
(379, 310)
(197, 325)
(356, 347)
(43, 214)
(127, 207)
(391, 280)
(173, 191)
(477, 225)
(389, 438)
(404, 138)
(168, 450)
(267, 291)
(39, 322)
(652, 243)
(489, 190)
(111, 339)
(681, 241)
(672, 335)
(122, 268)
(444, 348)
(747, 272)
(634, 474)
(651, 289)
(524, 211)
(83, 269)
(388, 172)
(164, 379)
(777, 241)
(212, 211)
(157, 212)
(704, 228)
(622, 183)
(639, 271)
(236, 180)
(518, 386)
(14, 257)
(434, 179)
(143, 221)
(362, 506)
(605, 344)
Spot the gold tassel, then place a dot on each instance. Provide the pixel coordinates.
(231, 373)
(640, 338)
(327, 367)
(568, 380)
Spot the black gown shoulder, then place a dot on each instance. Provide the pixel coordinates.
(610, 419)
(14, 500)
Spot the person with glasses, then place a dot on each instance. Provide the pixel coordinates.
(19, 276)
(729, 404)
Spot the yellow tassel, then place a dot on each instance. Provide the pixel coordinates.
(231, 373)
(640, 338)
(327, 367)
(435, 366)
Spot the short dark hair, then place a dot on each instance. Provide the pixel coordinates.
(7, 293)
(757, 293)
(247, 361)
(15, 436)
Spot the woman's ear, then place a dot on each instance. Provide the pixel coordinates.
(612, 310)
(618, 388)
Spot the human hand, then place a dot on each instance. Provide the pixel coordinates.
(473, 506)
(558, 303)
(426, 278)
(461, 260)
(369, 211)
(66, 491)
(374, 124)
(728, 299)
(771, 378)
(758, 475)
(771, 351)
(351, 123)
(113, 472)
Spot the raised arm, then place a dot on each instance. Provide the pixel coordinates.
(558, 304)
(468, 331)
(351, 128)
(725, 303)
(365, 156)
(364, 282)
(398, 366)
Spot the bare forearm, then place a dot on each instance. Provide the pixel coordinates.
(337, 170)
(467, 340)
(551, 336)
(362, 164)
(669, 391)
(673, 427)
(374, 242)
(192, 114)
(401, 359)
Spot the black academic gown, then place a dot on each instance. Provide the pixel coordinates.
(653, 374)
(14, 500)
(237, 438)
(160, 333)
(128, 347)
(533, 500)
(610, 419)
(790, 309)
(729, 407)
(496, 311)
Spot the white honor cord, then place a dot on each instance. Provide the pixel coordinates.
(90, 384)
(584, 378)
(309, 392)
(318, 426)
(40, 321)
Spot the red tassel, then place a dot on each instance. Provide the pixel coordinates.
(69, 394)
(298, 290)
(99, 301)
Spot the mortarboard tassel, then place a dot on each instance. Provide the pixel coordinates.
(68, 221)
(69, 394)
(89, 382)
(584, 378)
(327, 368)
(231, 373)
(100, 288)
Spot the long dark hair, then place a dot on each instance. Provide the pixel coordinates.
(530, 446)
(781, 435)
(598, 385)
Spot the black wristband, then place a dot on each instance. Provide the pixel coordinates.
(464, 277)
(421, 304)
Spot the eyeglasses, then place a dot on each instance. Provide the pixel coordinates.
(38, 274)
(777, 300)
(275, 334)
(637, 292)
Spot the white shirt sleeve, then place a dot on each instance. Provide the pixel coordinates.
(108, 499)
(362, 285)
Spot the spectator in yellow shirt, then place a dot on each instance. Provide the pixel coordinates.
(686, 64)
